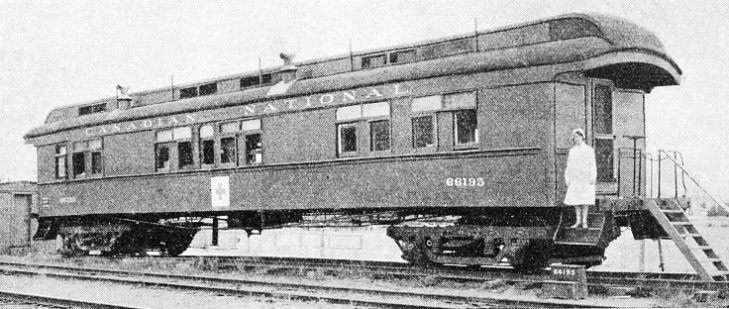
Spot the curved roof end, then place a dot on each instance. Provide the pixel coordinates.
(634, 70)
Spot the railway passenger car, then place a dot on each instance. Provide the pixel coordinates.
(471, 130)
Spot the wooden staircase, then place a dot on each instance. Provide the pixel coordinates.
(679, 228)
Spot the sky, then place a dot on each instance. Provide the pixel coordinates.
(55, 53)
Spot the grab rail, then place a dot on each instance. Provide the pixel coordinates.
(683, 169)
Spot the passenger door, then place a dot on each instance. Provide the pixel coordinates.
(603, 136)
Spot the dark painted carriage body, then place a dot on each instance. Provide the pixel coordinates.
(530, 85)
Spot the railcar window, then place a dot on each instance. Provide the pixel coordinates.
(189, 92)
(181, 133)
(349, 112)
(164, 136)
(227, 150)
(91, 109)
(229, 127)
(429, 103)
(171, 143)
(249, 125)
(466, 128)
(604, 159)
(380, 135)
(254, 154)
(96, 163)
(207, 144)
(373, 61)
(372, 114)
(376, 109)
(423, 131)
(184, 153)
(61, 161)
(603, 114)
(460, 100)
(347, 138)
(208, 152)
(162, 157)
(79, 167)
(78, 158)
(252, 81)
(208, 89)
(403, 56)
(229, 143)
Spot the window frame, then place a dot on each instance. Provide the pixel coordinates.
(61, 155)
(243, 141)
(340, 146)
(366, 61)
(173, 145)
(393, 54)
(234, 161)
(371, 140)
(434, 130)
(457, 145)
(201, 148)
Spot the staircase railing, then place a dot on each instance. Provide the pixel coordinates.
(685, 173)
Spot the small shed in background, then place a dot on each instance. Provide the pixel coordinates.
(18, 213)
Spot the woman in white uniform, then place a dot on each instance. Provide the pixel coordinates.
(580, 176)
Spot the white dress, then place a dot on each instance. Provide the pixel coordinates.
(580, 176)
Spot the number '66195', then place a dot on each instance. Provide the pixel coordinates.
(465, 182)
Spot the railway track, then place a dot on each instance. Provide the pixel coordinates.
(339, 294)
(23, 300)
(456, 273)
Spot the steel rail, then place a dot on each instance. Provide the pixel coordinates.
(42, 300)
(297, 291)
(480, 274)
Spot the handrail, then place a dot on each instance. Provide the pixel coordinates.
(675, 171)
(714, 198)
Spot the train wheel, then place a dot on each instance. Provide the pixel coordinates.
(71, 247)
(177, 244)
(418, 257)
(531, 258)
(174, 248)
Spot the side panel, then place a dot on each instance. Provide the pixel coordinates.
(5, 220)
(47, 163)
(394, 182)
(300, 137)
(129, 154)
(402, 131)
(516, 116)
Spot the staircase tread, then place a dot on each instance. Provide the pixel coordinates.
(672, 211)
(581, 229)
(575, 243)
(682, 223)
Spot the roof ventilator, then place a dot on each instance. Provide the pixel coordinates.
(123, 100)
(287, 73)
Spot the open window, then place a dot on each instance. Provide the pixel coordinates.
(61, 159)
(361, 125)
(423, 121)
(228, 142)
(465, 118)
(253, 142)
(86, 159)
(444, 122)
(207, 146)
(173, 147)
